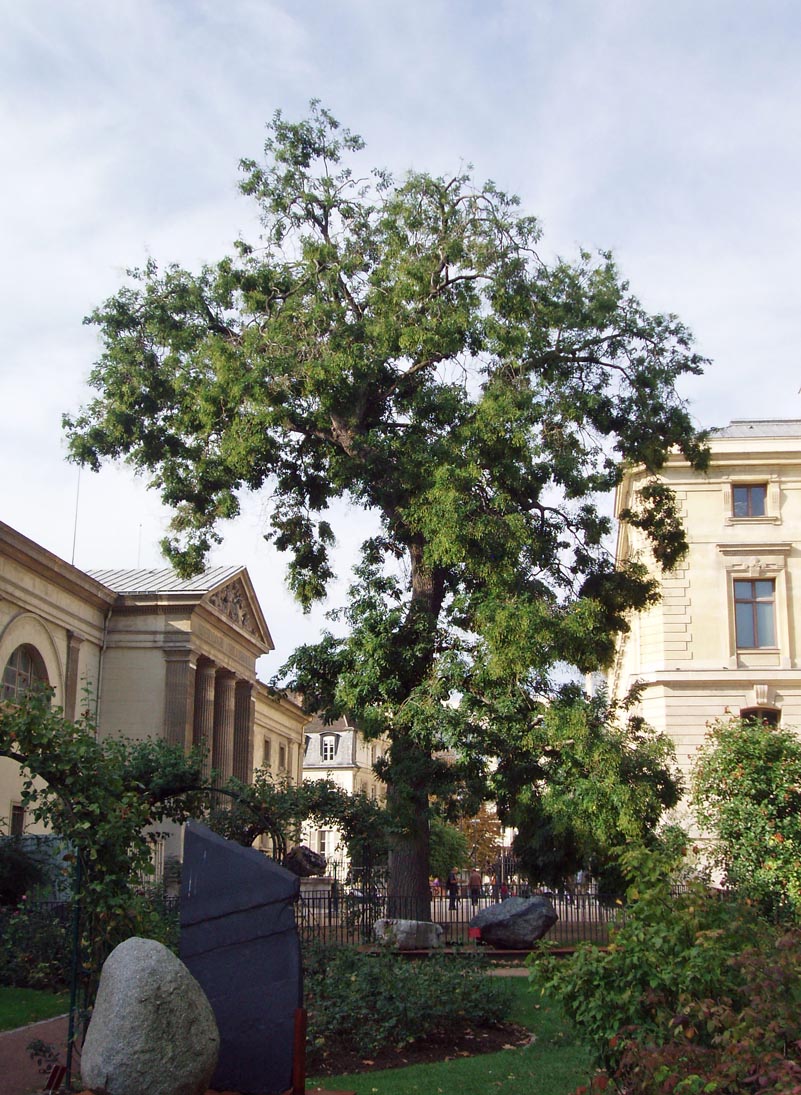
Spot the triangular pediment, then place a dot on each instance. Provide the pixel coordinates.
(237, 602)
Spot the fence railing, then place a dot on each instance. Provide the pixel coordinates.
(338, 914)
(35, 938)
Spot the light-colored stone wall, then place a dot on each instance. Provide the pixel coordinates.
(140, 645)
(684, 649)
(51, 606)
(280, 723)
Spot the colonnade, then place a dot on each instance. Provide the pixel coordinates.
(207, 704)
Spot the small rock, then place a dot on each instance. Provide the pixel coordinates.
(152, 1030)
(408, 935)
(515, 923)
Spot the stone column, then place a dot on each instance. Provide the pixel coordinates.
(222, 751)
(203, 720)
(244, 719)
(179, 698)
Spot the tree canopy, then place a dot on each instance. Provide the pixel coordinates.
(403, 345)
(579, 782)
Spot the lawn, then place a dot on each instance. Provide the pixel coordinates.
(554, 1064)
(21, 1006)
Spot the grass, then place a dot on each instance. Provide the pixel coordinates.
(554, 1064)
(21, 1006)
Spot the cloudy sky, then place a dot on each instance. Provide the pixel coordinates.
(666, 130)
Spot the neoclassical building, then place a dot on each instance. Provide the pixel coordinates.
(725, 637)
(339, 752)
(148, 654)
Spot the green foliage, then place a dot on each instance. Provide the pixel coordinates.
(364, 1002)
(100, 796)
(553, 1062)
(667, 953)
(278, 807)
(746, 789)
(448, 848)
(579, 782)
(20, 870)
(739, 1044)
(402, 346)
(34, 948)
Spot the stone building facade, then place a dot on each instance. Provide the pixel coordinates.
(339, 752)
(148, 654)
(725, 637)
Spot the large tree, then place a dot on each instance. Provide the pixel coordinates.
(402, 345)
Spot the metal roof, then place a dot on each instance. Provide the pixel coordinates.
(760, 427)
(163, 581)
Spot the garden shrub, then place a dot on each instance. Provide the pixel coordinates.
(746, 1044)
(669, 952)
(365, 1002)
(34, 947)
(746, 790)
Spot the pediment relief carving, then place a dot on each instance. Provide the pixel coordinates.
(234, 603)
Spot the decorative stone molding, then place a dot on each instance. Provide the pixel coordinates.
(233, 602)
(763, 695)
(754, 560)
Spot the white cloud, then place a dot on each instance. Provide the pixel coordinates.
(667, 131)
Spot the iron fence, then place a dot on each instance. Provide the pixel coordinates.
(347, 914)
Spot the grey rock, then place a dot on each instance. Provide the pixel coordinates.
(303, 862)
(515, 923)
(152, 1030)
(408, 935)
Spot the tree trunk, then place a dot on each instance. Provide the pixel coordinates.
(409, 894)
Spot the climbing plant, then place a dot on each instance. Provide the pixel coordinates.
(102, 797)
(276, 807)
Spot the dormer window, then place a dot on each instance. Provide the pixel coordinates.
(749, 499)
(328, 747)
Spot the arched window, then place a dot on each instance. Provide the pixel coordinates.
(24, 670)
(769, 716)
(328, 747)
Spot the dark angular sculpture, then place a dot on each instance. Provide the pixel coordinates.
(303, 862)
(239, 941)
(515, 923)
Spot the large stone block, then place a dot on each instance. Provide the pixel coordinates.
(152, 1030)
(516, 923)
(238, 938)
(408, 935)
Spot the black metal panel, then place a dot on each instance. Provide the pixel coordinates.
(239, 940)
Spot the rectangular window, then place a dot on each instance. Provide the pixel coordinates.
(748, 500)
(17, 820)
(266, 753)
(754, 615)
(282, 758)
